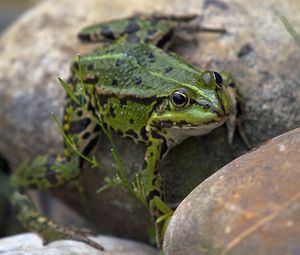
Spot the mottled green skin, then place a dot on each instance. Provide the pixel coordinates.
(130, 84)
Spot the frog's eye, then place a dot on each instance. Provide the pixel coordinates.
(218, 78)
(180, 98)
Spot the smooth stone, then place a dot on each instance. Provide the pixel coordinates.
(31, 244)
(250, 206)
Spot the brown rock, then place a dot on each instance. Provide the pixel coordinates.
(250, 206)
(39, 47)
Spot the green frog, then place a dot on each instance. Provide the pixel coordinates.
(139, 90)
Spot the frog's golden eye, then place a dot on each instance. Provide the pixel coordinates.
(218, 78)
(180, 98)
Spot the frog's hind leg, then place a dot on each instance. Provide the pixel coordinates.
(42, 173)
(153, 29)
(156, 29)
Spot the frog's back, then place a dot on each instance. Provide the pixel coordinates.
(136, 69)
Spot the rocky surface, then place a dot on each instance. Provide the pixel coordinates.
(39, 47)
(31, 244)
(250, 206)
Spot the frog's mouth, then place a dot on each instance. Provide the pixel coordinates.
(187, 129)
(202, 129)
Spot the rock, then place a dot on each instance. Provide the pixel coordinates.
(31, 244)
(40, 46)
(250, 206)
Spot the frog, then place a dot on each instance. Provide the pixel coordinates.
(140, 90)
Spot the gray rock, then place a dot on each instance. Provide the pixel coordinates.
(250, 206)
(31, 244)
(39, 47)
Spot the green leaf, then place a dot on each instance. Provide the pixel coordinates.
(161, 205)
(164, 217)
(69, 91)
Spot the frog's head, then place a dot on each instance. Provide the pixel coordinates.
(196, 109)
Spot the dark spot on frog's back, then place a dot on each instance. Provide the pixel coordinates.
(151, 57)
(145, 101)
(137, 80)
(154, 21)
(84, 37)
(120, 62)
(131, 121)
(77, 126)
(90, 67)
(168, 69)
(131, 27)
(133, 38)
(152, 31)
(107, 33)
(114, 82)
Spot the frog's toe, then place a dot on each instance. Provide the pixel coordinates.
(55, 232)
(87, 240)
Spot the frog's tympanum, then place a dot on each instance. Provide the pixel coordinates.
(138, 90)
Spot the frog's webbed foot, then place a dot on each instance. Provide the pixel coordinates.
(234, 122)
(48, 230)
(162, 215)
(43, 172)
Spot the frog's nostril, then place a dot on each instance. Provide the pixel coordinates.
(205, 104)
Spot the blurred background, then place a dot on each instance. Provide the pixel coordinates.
(12, 9)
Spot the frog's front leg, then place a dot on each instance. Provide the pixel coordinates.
(45, 172)
(159, 211)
